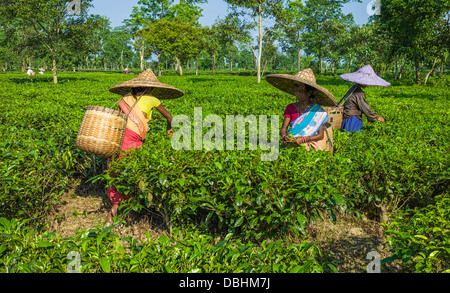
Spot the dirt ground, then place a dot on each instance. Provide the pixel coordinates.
(345, 243)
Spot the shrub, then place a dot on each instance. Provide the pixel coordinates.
(420, 237)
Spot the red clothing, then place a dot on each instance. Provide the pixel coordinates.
(131, 140)
(291, 112)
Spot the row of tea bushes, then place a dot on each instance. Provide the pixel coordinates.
(402, 163)
(420, 237)
(99, 250)
(38, 158)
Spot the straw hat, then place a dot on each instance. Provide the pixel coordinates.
(365, 76)
(285, 82)
(148, 79)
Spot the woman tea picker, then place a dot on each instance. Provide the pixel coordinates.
(141, 94)
(355, 104)
(305, 119)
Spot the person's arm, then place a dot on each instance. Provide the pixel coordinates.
(168, 117)
(365, 108)
(316, 137)
(284, 127)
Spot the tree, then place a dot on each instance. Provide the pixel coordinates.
(290, 23)
(151, 11)
(176, 37)
(316, 16)
(49, 19)
(413, 27)
(211, 44)
(117, 49)
(260, 10)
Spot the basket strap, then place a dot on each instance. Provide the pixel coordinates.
(131, 109)
(328, 140)
(350, 91)
(133, 117)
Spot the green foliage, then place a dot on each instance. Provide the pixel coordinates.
(420, 237)
(402, 164)
(98, 250)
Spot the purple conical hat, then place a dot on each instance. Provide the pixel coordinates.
(365, 76)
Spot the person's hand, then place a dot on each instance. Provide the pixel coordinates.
(170, 132)
(381, 119)
(315, 145)
(299, 140)
(288, 138)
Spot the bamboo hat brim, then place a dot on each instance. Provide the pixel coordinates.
(148, 79)
(285, 82)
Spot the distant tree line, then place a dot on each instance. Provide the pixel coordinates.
(257, 35)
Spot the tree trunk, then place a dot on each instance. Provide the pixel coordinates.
(87, 62)
(441, 70)
(396, 68)
(159, 64)
(214, 63)
(264, 68)
(417, 72)
(429, 72)
(121, 59)
(320, 61)
(180, 69)
(260, 44)
(142, 55)
(196, 65)
(299, 61)
(55, 74)
(401, 69)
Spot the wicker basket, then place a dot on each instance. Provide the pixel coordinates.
(326, 144)
(101, 132)
(335, 116)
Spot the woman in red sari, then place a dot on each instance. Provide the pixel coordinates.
(140, 96)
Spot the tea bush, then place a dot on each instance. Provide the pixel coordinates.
(98, 250)
(385, 169)
(420, 237)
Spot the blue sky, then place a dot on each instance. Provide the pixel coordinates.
(118, 10)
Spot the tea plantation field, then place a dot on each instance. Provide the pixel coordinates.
(223, 210)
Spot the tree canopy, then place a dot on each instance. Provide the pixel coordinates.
(259, 35)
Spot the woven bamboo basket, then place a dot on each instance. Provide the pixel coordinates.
(102, 131)
(335, 116)
(326, 144)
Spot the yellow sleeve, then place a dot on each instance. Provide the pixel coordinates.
(147, 103)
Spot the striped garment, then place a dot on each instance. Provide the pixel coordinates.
(309, 122)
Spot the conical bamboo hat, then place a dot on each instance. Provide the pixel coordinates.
(148, 79)
(285, 82)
